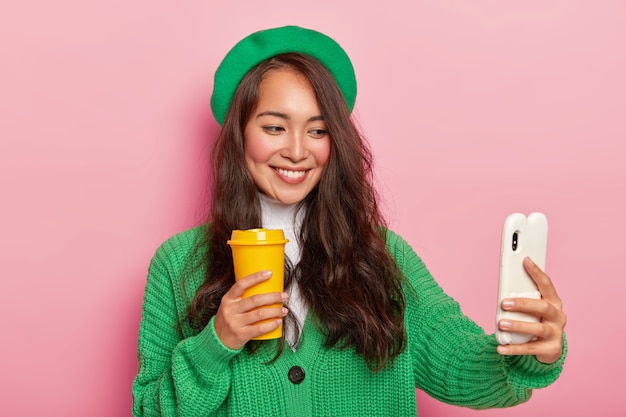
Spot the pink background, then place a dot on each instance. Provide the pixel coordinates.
(473, 109)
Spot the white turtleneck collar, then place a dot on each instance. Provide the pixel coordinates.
(277, 215)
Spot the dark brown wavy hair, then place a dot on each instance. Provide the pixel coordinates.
(349, 280)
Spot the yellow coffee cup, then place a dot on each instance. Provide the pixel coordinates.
(257, 250)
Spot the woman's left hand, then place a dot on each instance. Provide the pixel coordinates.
(548, 343)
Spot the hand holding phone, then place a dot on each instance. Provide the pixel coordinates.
(521, 237)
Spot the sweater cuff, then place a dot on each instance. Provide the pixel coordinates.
(532, 373)
(209, 352)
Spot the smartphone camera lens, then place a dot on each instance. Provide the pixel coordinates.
(514, 244)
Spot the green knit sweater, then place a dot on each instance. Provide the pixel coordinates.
(448, 356)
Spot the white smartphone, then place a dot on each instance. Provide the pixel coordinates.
(521, 237)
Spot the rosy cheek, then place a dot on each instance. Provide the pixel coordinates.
(322, 152)
(255, 149)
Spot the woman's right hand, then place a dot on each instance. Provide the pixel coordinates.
(237, 319)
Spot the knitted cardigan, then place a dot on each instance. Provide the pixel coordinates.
(447, 355)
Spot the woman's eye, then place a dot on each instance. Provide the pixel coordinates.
(273, 130)
(318, 133)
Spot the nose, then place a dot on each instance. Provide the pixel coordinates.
(295, 148)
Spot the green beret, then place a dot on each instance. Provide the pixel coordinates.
(265, 44)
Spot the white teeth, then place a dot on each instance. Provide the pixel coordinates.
(290, 174)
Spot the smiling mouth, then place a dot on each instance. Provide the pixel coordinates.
(290, 174)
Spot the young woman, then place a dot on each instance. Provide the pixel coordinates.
(365, 323)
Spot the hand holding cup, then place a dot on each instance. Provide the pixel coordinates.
(253, 308)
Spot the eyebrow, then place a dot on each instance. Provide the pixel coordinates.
(286, 116)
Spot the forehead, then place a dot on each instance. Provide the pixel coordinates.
(283, 78)
(288, 89)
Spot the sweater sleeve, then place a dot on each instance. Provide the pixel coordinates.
(177, 376)
(454, 360)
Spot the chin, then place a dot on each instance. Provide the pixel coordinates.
(289, 199)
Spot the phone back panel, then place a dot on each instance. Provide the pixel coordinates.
(521, 237)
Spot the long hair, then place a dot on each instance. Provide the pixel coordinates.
(347, 277)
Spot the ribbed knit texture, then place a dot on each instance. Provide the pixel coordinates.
(448, 356)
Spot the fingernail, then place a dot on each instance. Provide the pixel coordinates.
(503, 350)
(285, 311)
(508, 304)
(505, 324)
(284, 296)
(267, 274)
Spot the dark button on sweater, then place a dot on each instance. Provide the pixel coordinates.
(296, 374)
